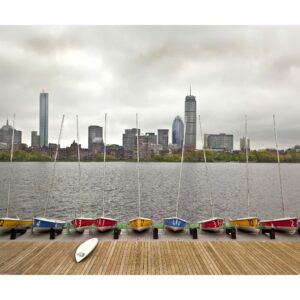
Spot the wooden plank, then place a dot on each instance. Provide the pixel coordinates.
(152, 257)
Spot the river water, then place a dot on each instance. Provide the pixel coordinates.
(159, 188)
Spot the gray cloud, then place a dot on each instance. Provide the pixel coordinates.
(123, 70)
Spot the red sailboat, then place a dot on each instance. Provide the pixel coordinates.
(103, 223)
(213, 224)
(81, 223)
(285, 224)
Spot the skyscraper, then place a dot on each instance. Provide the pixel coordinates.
(44, 120)
(177, 132)
(35, 140)
(163, 138)
(190, 119)
(95, 135)
(6, 135)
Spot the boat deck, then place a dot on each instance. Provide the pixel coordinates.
(151, 257)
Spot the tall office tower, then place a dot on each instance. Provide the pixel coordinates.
(95, 135)
(190, 119)
(44, 120)
(129, 139)
(35, 140)
(220, 142)
(163, 138)
(177, 132)
(6, 135)
(243, 144)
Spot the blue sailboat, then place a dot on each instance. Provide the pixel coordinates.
(44, 224)
(177, 224)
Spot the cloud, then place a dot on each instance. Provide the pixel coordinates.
(124, 70)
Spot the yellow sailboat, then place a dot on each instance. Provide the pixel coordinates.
(249, 224)
(139, 224)
(7, 223)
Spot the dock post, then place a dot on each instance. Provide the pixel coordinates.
(233, 233)
(272, 234)
(52, 234)
(116, 233)
(13, 234)
(298, 230)
(195, 234)
(155, 233)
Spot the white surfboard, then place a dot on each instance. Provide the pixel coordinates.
(85, 249)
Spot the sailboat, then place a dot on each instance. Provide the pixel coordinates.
(81, 223)
(139, 224)
(44, 224)
(214, 224)
(103, 223)
(248, 224)
(174, 223)
(7, 223)
(285, 224)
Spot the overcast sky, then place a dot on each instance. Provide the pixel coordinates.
(124, 70)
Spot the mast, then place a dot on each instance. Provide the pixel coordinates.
(279, 170)
(247, 169)
(54, 165)
(138, 162)
(10, 166)
(79, 169)
(104, 170)
(180, 174)
(206, 172)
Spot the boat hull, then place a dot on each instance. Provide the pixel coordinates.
(25, 224)
(140, 224)
(174, 224)
(7, 224)
(45, 225)
(212, 225)
(288, 225)
(246, 224)
(104, 224)
(80, 224)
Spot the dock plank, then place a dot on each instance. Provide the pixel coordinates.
(152, 257)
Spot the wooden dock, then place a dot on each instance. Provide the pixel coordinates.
(152, 258)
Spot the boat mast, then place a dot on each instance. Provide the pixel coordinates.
(54, 165)
(104, 170)
(138, 161)
(181, 163)
(247, 168)
(279, 170)
(10, 167)
(206, 172)
(79, 169)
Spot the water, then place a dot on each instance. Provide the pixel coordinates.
(159, 186)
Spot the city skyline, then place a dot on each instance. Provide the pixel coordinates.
(252, 71)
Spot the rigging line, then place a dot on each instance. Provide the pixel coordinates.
(54, 165)
(279, 170)
(10, 167)
(206, 172)
(247, 167)
(104, 170)
(138, 163)
(79, 167)
(181, 163)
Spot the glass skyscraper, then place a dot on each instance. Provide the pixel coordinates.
(177, 132)
(190, 119)
(44, 120)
